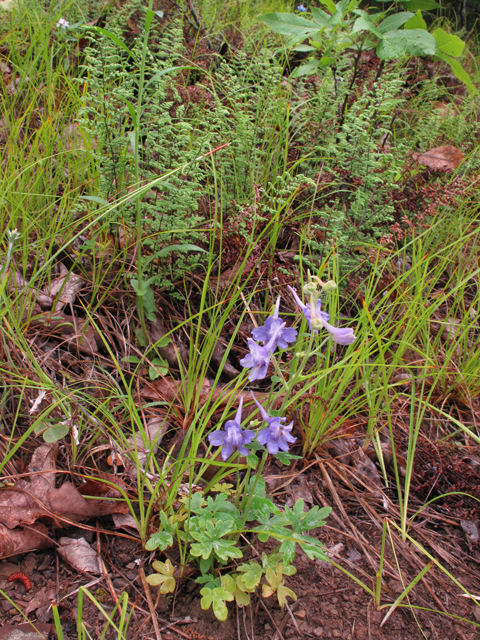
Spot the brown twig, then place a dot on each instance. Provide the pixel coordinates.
(148, 596)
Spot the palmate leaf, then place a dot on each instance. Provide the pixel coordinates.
(216, 599)
(250, 576)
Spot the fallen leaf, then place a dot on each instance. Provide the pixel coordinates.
(20, 540)
(38, 498)
(79, 554)
(156, 429)
(64, 290)
(42, 598)
(446, 158)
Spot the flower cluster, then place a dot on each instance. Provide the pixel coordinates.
(62, 23)
(301, 8)
(275, 436)
(273, 334)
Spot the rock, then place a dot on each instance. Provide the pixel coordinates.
(336, 633)
(301, 614)
(318, 632)
(267, 627)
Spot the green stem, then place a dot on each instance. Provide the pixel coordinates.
(251, 493)
(148, 21)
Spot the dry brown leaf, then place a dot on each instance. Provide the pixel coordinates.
(20, 540)
(38, 498)
(42, 598)
(446, 158)
(173, 350)
(64, 290)
(79, 554)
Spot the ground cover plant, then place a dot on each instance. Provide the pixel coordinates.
(239, 320)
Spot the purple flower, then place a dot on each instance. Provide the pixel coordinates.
(259, 357)
(307, 312)
(276, 436)
(340, 336)
(301, 8)
(272, 323)
(234, 437)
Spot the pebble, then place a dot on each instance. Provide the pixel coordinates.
(5, 604)
(318, 632)
(336, 633)
(120, 583)
(290, 633)
(301, 614)
(267, 627)
(334, 600)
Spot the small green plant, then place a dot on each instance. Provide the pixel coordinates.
(211, 527)
(347, 27)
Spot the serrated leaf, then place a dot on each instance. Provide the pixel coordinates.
(448, 43)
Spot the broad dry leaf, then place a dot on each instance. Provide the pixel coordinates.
(66, 288)
(42, 598)
(79, 554)
(38, 498)
(446, 158)
(23, 540)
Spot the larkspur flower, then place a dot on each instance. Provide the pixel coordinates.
(272, 323)
(277, 435)
(62, 23)
(259, 357)
(306, 310)
(340, 336)
(301, 8)
(234, 437)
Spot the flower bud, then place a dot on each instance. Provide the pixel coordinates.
(309, 289)
(317, 323)
(329, 286)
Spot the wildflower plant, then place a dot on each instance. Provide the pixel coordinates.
(212, 527)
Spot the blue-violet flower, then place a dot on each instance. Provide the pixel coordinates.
(272, 323)
(234, 437)
(276, 436)
(259, 357)
(301, 8)
(307, 311)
